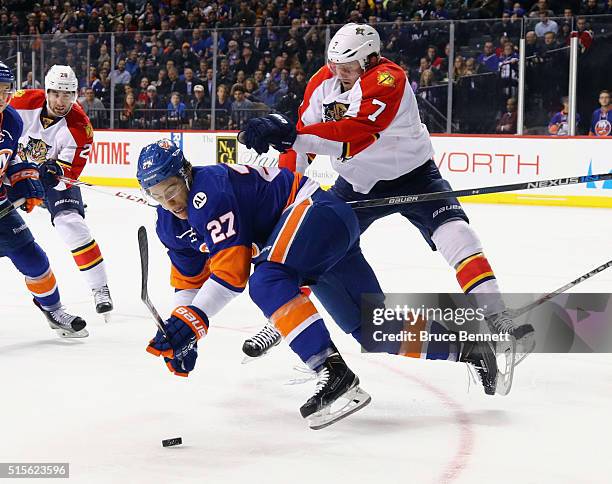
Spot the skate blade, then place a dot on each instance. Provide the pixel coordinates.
(107, 317)
(63, 333)
(524, 347)
(250, 359)
(506, 361)
(356, 399)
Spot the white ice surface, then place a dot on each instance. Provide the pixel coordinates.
(104, 404)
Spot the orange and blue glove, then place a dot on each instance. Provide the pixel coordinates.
(25, 182)
(178, 346)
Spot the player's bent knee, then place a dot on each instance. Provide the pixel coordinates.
(72, 228)
(271, 285)
(456, 240)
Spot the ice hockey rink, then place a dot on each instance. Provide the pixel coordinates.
(103, 404)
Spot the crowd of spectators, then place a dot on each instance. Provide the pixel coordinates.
(267, 50)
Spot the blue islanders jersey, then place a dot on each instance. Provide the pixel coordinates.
(186, 249)
(235, 208)
(601, 123)
(11, 127)
(560, 118)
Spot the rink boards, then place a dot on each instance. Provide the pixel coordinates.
(466, 161)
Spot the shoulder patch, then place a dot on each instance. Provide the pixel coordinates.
(385, 78)
(199, 200)
(89, 130)
(19, 93)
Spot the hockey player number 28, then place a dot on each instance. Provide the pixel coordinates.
(372, 117)
(216, 228)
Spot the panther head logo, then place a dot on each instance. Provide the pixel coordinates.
(334, 111)
(34, 152)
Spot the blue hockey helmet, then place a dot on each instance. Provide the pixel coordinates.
(159, 161)
(6, 75)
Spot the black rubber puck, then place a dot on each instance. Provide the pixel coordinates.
(171, 442)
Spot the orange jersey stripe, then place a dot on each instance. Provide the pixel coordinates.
(413, 349)
(287, 233)
(292, 314)
(295, 186)
(232, 265)
(181, 281)
(44, 285)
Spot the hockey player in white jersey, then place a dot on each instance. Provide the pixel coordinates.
(360, 110)
(58, 136)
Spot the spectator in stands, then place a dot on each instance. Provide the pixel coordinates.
(94, 108)
(585, 35)
(190, 82)
(129, 116)
(550, 42)
(558, 125)
(176, 112)
(270, 93)
(311, 64)
(250, 86)
(232, 55)
(297, 84)
(141, 99)
(545, 25)
(29, 84)
(508, 71)
(508, 121)
(541, 6)
(489, 58)
(224, 75)
(120, 75)
(162, 83)
(508, 26)
(601, 120)
(459, 67)
(248, 62)
(591, 8)
(223, 107)
(175, 83)
(259, 41)
(424, 65)
(242, 108)
(531, 44)
(104, 55)
(199, 109)
(154, 116)
(186, 58)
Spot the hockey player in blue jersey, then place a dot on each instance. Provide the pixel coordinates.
(279, 221)
(16, 240)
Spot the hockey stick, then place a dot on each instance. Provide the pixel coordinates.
(143, 246)
(528, 307)
(119, 194)
(9, 208)
(468, 192)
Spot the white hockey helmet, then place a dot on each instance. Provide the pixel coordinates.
(354, 42)
(61, 78)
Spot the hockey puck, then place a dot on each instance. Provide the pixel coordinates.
(172, 442)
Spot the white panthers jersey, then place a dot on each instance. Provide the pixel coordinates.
(372, 132)
(66, 140)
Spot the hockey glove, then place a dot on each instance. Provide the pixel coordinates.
(50, 171)
(181, 366)
(271, 130)
(186, 325)
(25, 181)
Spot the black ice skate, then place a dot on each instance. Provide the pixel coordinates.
(523, 334)
(258, 345)
(103, 301)
(481, 356)
(65, 324)
(337, 385)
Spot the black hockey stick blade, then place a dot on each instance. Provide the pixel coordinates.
(469, 192)
(143, 246)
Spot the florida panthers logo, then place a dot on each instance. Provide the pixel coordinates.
(334, 111)
(34, 152)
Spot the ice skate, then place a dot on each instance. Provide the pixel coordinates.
(336, 396)
(103, 301)
(494, 377)
(65, 324)
(258, 345)
(523, 334)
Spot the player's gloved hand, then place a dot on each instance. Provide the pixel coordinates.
(50, 171)
(181, 366)
(186, 325)
(271, 130)
(24, 178)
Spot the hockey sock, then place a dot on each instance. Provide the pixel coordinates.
(33, 263)
(85, 250)
(431, 341)
(462, 249)
(303, 329)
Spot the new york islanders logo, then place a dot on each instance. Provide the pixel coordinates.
(5, 156)
(603, 127)
(334, 111)
(34, 152)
